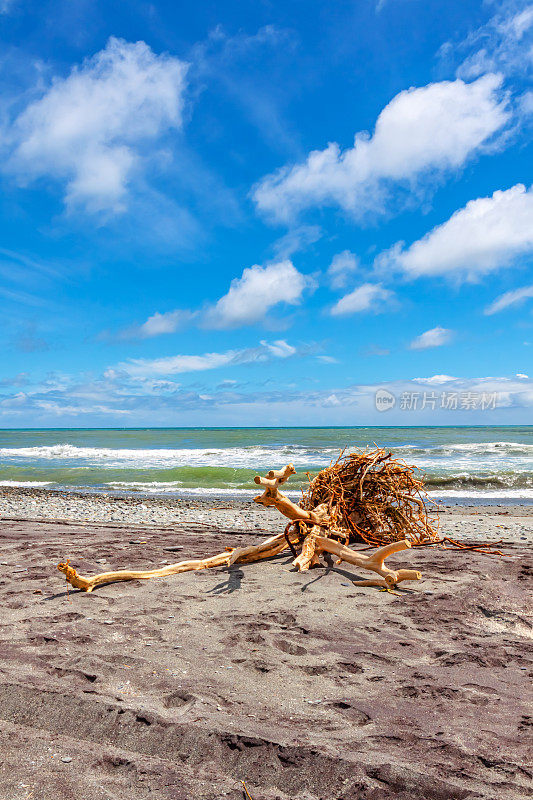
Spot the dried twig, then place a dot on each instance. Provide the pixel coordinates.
(374, 498)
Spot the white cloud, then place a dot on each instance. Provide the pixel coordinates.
(511, 298)
(299, 238)
(501, 45)
(258, 290)
(149, 401)
(421, 131)
(278, 349)
(487, 234)
(173, 365)
(341, 267)
(367, 297)
(436, 380)
(517, 25)
(331, 401)
(436, 337)
(247, 302)
(60, 409)
(526, 103)
(158, 323)
(88, 129)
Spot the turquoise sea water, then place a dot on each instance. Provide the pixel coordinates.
(482, 463)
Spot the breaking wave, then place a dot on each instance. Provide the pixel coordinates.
(251, 456)
(168, 462)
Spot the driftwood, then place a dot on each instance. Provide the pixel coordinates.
(336, 510)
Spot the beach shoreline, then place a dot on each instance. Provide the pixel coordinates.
(222, 512)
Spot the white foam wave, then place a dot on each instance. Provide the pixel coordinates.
(480, 494)
(468, 448)
(464, 455)
(166, 485)
(237, 457)
(175, 487)
(26, 484)
(155, 487)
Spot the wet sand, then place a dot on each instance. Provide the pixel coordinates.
(302, 684)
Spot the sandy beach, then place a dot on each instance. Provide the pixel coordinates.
(301, 684)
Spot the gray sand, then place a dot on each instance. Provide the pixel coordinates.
(302, 684)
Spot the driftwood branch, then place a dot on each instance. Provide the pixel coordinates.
(245, 555)
(316, 530)
(273, 497)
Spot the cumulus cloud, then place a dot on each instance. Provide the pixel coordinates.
(247, 302)
(341, 268)
(512, 298)
(259, 289)
(436, 337)
(367, 297)
(88, 129)
(420, 132)
(169, 322)
(487, 234)
(156, 325)
(173, 365)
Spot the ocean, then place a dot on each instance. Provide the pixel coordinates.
(462, 464)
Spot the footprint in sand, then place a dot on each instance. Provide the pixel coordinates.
(182, 701)
(289, 647)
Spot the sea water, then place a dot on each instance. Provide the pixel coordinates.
(483, 464)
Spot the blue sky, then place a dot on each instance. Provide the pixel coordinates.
(263, 213)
